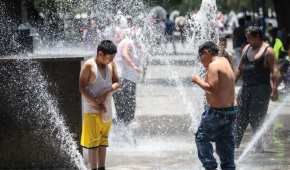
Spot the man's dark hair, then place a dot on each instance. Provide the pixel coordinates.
(210, 46)
(107, 47)
(255, 31)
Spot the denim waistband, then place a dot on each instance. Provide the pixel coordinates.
(225, 110)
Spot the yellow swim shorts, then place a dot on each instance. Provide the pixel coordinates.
(95, 132)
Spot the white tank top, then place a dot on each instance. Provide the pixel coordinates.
(97, 88)
(124, 70)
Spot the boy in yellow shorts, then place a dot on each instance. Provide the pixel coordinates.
(98, 80)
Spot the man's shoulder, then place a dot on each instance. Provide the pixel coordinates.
(220, 60)
(215, 65)
(126, 42)
(218, 64)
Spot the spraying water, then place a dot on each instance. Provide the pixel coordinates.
(264, 128)
(27, 92)
(203, 28)
(111, 16)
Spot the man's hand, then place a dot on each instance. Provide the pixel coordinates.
(195, 79)
(137, 69)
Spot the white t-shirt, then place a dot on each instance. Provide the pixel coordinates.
(97, 88)
(124, 70)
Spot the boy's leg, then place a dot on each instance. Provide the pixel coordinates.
(225, 147)
(106, 128)
(90, 138)
(102, 157)
(92, 157)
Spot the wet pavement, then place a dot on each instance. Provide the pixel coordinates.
(168, 109)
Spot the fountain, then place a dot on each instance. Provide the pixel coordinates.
(32, 114)
(30, 82)
(41, 105)
(264, 128)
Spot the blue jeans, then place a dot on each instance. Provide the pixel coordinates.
(217, 126)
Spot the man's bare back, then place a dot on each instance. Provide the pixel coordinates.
(223, 90)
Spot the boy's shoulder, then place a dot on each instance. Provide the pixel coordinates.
(112, 65)
(89, 62)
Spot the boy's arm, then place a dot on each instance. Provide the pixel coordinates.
(115, 83)
(115, 78)
(210, 82)
(83, 82)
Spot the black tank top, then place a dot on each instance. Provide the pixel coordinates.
(255, 72)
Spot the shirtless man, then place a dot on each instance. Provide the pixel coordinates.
(98, 80)
(259, 73)
(217, 120)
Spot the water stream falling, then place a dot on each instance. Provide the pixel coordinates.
(203, 29)
(27, 92)
(264, 128)
(111, 17)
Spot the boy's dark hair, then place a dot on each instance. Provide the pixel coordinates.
(255, 31)
(107, 47)
(210, 46)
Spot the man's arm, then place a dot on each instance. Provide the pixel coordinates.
(274, 72)
(211, 81)
(126, 53)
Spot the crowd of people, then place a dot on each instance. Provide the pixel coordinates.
(260, 62)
